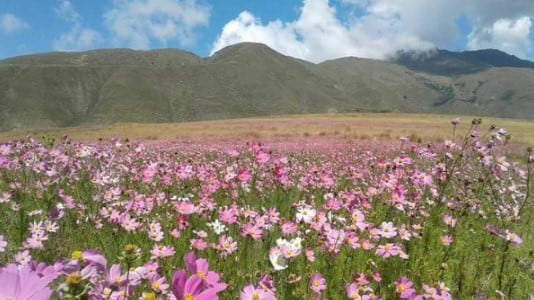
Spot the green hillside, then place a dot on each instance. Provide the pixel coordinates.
(121, 85)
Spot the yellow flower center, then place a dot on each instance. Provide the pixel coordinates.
(316, 283)
(255, 296)
(76, 255)
(201, 275)
(130, 249)
(189, 297)
(74, 278)
(155, 286)
(149, 296)
(107, 292)
(401, 288)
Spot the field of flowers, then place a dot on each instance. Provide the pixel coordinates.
(302, 219)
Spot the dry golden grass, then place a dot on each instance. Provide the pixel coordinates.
(425, 127)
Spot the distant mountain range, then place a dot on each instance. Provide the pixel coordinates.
(449, 63)
(248, 79)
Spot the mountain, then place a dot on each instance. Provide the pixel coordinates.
(248, 79)
(443, 62)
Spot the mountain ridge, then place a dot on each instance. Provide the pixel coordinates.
(244, 80)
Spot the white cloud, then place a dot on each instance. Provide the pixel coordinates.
(67, 12)
(78, 37)
(318, 34)
(246, 27)
(381, 27)
(511, 36)
(9, 23)
(138, 23)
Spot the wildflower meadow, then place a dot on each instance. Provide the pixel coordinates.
(295, 219)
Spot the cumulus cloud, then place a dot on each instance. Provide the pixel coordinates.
(382, 27)
(10, 23)
(511, 36)
(138, 23)
(66, 11)
(78, 37)
(318, 34)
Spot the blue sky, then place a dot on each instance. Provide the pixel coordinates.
(314, 30)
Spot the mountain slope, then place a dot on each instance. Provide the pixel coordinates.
(447, 63)
(121, 85)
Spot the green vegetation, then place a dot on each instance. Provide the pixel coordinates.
(395, 219)
(245, 80)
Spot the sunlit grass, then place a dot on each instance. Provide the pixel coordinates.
(387, 126)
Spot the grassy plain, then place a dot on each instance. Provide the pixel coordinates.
(383, 126)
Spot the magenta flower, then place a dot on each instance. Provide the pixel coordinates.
(446, 240)
(262, 157)
(317, 283)
(360, 279)
(23, 284)
(353, 291)
(200, 268)
(512, 238)
(404, 288)
(249, 292)
(266, 283)
(192, 288)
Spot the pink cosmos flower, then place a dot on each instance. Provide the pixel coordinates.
(288, 228)
(115, 276)
(185, 207)
(262, 157)
(404, 287)
(387, 250)
(23, 257)
(353, 291)
(200, 268)
(449, 221)
(159, 251)
(244, 175)
(228, 216)
(310, 256)
(129, 224)
(317, 283)
(387, 230)
(159, 284)
(202, 284)
(191, 288)
(199, 244)
(266, 283)
(226, 245)
(232, 153)
(360, 279)
(249, 292)
(512, 238)
(446, 240)
(253, 231)
(23, 284)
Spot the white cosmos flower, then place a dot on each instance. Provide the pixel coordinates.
(217, 227)
(305, 214)
(296, 243)
(277, 259)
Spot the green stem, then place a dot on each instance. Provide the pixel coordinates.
(503, 262)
